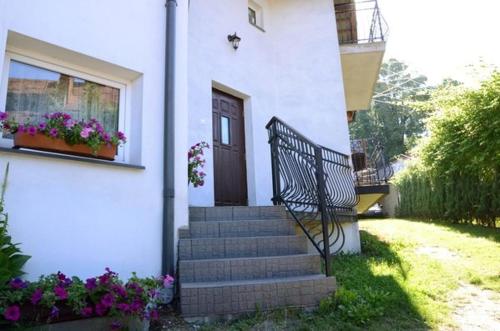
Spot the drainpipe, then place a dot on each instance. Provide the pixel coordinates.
(169, 143)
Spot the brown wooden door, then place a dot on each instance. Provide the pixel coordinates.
(229, 150)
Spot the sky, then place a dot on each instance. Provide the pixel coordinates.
(442, 38)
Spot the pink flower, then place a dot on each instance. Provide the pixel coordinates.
(36, 297)
(42, 126)
(21, 128)
(61, 292)
(168, 280)
(69, 124)
(12, 313)
(86, 132)
(53, 132)
(3, 116)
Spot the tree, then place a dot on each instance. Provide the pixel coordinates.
(393, 120)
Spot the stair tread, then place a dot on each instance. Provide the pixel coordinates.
(249, 258)
(253, 281)
(250, 237)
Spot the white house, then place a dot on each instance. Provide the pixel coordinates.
(169, 83)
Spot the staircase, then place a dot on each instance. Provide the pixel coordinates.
(235, 260)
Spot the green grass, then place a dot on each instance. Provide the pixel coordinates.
(391, 286)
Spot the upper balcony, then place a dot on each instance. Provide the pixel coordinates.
(362, 33)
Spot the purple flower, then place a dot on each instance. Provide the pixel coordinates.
(86, 132)
(103, 279)
(136, 306)
(154, 315)
(21, 128)
(120, 135)
(66, 117)
(61, 292)
(100, 309)
(118, 289)
(42, 126)
(86, 312)
(125, 307)
(69, 124)
(106, 137)
(18, 283)
(91, 284)
(116, 325)
(3, 116)
(53, 132)
(61, 276)
(12, 313)
(36, 297)
(32, 130)
(54, 312)
(108, 300)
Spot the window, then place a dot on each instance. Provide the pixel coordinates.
(225, 130)
(33, 91)
(255, 15)
(252, 16)
(33, 88)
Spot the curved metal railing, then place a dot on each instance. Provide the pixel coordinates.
(371, 166)
(314, 183)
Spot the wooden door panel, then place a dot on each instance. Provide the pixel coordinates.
(229, 150)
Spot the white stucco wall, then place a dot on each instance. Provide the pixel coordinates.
(292, 70)
(77, 217)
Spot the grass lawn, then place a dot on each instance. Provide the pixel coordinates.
(404, 280)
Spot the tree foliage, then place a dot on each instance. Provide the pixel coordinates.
(457, 170)
(393, 120)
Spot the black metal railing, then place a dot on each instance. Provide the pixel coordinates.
(371, 167)
(315, 184)
(359, 21)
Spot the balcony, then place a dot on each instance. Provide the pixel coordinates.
(361, 33)
(372, 172)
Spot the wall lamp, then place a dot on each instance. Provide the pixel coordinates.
(235, 40)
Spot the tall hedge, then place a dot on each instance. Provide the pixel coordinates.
(456, 171)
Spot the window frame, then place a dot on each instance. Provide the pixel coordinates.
(259, 15)
(67, 69)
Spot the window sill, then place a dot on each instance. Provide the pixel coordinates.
(70, 157)
(257, 27)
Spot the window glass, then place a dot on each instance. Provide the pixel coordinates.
(225, 129)
(252, 16)
(33, 91)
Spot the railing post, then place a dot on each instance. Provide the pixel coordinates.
(322, 206)
(275, 169)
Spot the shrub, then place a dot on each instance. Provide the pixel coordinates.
(11, 258)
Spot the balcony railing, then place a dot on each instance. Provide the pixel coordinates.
(371, 167)
(359, 22)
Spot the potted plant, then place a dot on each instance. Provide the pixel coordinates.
(59, 132)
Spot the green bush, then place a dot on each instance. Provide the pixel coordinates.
(11, 258)
(456, 173)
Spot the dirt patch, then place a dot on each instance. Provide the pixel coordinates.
(475, 309)
(438, 253)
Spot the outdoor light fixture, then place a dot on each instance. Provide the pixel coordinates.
(235, 40)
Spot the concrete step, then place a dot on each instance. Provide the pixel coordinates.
(237, 297)
(249, 268)
(240, 228)
(208, 214)
(215, 248)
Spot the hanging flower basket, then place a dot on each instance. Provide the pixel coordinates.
(41, 142)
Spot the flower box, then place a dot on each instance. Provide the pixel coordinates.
(39, 141)
(95, 324)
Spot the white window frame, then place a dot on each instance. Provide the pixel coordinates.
(124, 107)
(259, 15)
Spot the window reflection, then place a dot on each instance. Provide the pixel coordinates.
(33, 91)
